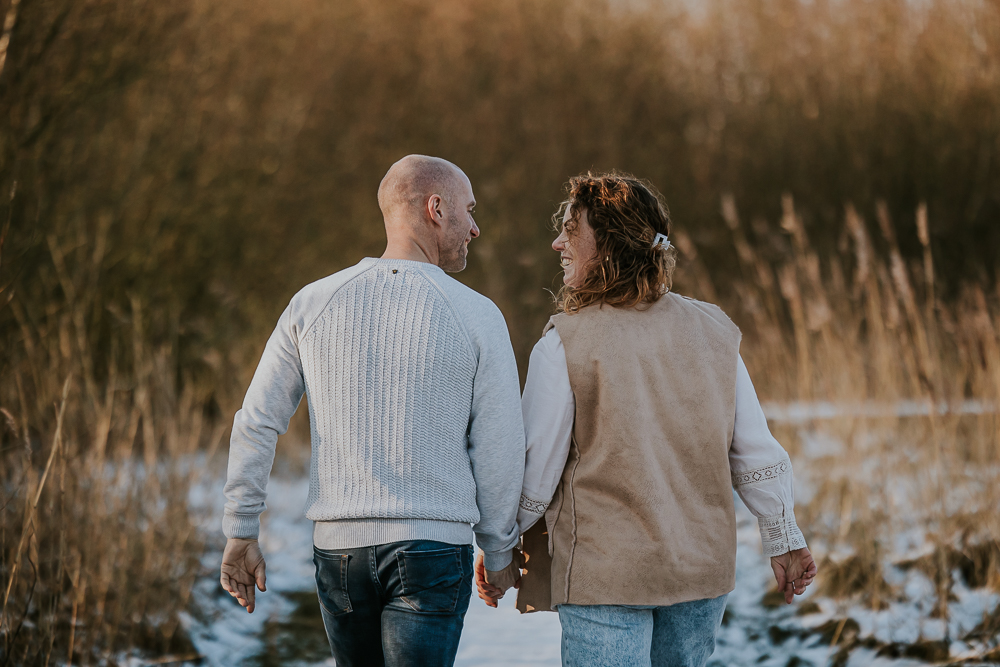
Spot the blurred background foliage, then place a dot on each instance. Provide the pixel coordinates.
(171, 173)
(208, 158)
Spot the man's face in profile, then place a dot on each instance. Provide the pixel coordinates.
(460, 226)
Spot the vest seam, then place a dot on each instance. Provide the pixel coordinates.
(573, 536)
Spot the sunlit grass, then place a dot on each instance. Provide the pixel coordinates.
(909, 467)
(98, 552)
(173, 172)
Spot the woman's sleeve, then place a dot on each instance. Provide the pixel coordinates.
(548, 408)
(762, 472)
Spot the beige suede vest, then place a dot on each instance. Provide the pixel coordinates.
(644, 511)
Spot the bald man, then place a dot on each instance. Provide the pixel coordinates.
(417, 439)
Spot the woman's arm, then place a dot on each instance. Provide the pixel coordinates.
(762, 475)
(762, 472)
(548, 408)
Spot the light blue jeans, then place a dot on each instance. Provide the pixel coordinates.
(681, 635)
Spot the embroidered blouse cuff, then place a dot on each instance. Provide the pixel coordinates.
(532, 505)
(529, 511)
(780, 534)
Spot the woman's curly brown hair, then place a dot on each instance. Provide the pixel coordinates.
(626, 214)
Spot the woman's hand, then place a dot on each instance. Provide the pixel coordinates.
(793, 572)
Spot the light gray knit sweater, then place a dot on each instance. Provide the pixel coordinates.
(414, 409)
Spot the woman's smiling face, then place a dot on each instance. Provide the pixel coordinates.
(576, 248)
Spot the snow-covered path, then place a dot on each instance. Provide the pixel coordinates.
(226, 635)
(286, 628)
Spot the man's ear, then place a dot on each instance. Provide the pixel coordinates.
(435, 209)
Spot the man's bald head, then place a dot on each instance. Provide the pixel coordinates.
(412, 180)
(428, 207)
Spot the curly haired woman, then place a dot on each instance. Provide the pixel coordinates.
(640, 418)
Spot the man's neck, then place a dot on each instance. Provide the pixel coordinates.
(412, 250)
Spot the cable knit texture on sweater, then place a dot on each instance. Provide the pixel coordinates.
(389, 344)
(414, 409)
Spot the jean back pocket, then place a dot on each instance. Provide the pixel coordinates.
(431, 580)
(331, 581)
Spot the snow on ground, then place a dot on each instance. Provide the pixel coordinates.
(286, 628)
(226, 635)
(802, 412)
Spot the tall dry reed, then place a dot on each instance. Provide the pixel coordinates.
(228, 153)
(98, 551)
(898, 393)
(180, 169)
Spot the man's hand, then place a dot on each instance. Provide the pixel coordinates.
(242, 567)
(492, 585)
(793, 571)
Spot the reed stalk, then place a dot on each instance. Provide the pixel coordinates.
(926, 458)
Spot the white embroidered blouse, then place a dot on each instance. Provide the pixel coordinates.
(760, 467)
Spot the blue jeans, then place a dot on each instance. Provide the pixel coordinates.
(394, 604)
(680, 635)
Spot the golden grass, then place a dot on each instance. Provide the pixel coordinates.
(177, 170)
(228, 153)
(913, 460)
(98, 552)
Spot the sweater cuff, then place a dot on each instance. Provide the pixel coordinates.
(494, 561)
(241, 526)
(780, 534)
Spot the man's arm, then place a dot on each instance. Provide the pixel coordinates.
(270, 402)
(496, 444)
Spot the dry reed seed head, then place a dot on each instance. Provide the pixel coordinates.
(10, 421)
(626, 214)
(686, 245)
(729, 211)
(923, 232)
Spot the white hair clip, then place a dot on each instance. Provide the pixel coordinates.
(661, 240)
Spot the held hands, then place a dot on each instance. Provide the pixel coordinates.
(492, 585)
(793, 571)
(242, 567)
